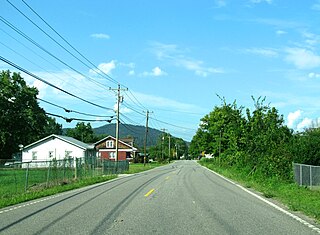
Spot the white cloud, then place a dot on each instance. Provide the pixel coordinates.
(100, 36)
(292, 118)
(302, 58)
(314, 75)
(316, 6)
(156, 72)
(132, 72)
(262, 51)
(305, 123)
(261, 1)
(220, 3)
(161, 102)
(177, 57)
(105, 67)
(281, 32)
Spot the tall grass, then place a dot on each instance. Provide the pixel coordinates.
(289, 193)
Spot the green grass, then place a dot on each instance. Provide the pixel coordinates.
(290, 194)
(139, 167)
(42, 190)
(42, 182)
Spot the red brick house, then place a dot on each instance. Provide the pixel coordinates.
(106, 149)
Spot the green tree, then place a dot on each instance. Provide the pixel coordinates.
(52, 127)
(305, 147)
(83, 132)
(220, 131)
(267, 140)
(22, 121)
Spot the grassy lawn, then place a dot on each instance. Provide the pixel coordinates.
(139, 167)
(44, 182)
(289, 193)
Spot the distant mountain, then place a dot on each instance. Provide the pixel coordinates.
(125, 130)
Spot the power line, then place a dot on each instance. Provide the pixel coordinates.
(50, 84)
(181, 127)
(28, 48)
(45, 50)
(92, 64)
(72, 111)
(77, 119)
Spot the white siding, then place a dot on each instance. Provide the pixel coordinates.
(54, 147)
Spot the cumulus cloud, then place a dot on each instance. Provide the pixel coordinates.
(100, 36)
(305, 123)
(105, 67)
(156, 72)
(302, 58)
(292, 118)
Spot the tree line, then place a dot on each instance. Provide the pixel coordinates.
(255, 141)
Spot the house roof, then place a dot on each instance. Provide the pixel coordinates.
(120, 141)
(67, 139)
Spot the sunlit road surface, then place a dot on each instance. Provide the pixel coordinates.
(180, 198)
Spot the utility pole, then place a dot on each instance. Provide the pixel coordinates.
(119, 100)
(162, 140)
(145, 138)
(169, 147)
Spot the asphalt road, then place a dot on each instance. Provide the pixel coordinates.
(180, 198)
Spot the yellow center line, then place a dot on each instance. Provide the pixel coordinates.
(148, 193)
(167, 177)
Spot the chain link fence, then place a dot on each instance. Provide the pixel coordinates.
(17, 177)
(306, 175)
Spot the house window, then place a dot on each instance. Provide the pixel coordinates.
(112, 155)
(34, 155)
(50, 154)
(109, 144)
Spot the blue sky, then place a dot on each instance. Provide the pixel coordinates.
(173, 56)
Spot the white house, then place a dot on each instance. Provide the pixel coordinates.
(56, 147)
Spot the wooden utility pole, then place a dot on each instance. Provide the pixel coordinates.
(119, 100)
(145, 139)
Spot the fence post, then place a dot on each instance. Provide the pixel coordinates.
(75, 167)
(300, 174)
(27, 178)
(48, 175)
(310, 176)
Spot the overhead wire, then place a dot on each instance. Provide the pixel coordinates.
(134, 100)
(84, 57)
(45, 50)
(69, 44)
(77, 119)
(50, 84)
(72, 111)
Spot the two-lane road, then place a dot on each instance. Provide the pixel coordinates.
(180, 198)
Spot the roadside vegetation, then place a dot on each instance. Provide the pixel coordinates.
(43, 190)
(296, 198)
(257, 149)
(12, 191)
(140, 167)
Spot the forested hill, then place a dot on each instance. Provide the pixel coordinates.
(125, 130)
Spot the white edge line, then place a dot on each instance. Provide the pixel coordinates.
(314, 228)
